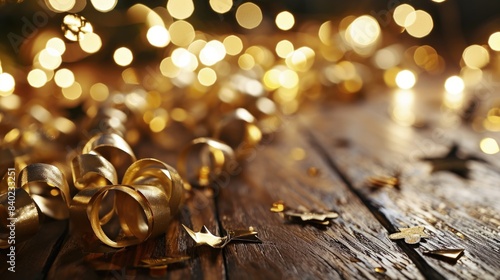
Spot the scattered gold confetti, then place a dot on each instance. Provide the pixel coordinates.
(446, 254)
(411, 235)
(384, 181)
(161, 262)
(380, 269)
(205, 237)
(313, 171)
(304, 215)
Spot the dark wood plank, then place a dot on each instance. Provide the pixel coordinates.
(34, 256)
(458, 213)
(199, 210)
(352, 248)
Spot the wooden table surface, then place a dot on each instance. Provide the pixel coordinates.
(347, 143)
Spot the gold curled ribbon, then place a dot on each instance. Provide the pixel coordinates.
(153, 172)
(141, 211)
(203, 161)
(112, 147)
(247, 135)
(19, 217)
(48, 187)
(92, 169)
(126, 214)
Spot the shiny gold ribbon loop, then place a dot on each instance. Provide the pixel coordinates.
(19, 217)
(92, 169)
(239, 130)
(153, 172)
(48, 187)
(141, 213)
(203, 161)
(112, 147)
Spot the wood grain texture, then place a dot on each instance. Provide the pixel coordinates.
(351, 248)
(34, 257)
(457, 213)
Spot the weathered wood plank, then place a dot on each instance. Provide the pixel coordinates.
(458, 213)
(349, 249)
(34, 256)
(199, 210)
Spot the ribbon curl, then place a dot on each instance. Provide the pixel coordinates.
(126, 214)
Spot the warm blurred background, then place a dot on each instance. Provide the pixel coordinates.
(174, 62)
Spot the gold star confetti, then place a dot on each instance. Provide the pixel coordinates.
(411, 235)
(278, 207)
(161, 262)
(303, 214)
(446, 254)
(206, 237)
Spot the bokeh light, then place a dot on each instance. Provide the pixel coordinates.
(90, 43)
(56, 44)
(181, 33)
(400, 14)
(123, 56)
(75, 27)
(419, 24)
(37, 78)
(99, 92)
(285, 20)
(489, 146)
(476, 56)
(50, 58)
(494, 41)
(405, 79)
(233, 45)
(104, 5)
(180, 9)
(248, 15)
(454, 84)
(158, 36)
(64, 78)
(221, 6)
(207, 76)
(7, 84)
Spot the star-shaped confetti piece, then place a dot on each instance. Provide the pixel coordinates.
(446, 254)
(453, 162)
(302, 214)
(411, 235)
(161, 263)
(206, 237)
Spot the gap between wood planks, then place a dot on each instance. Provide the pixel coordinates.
(427, 271)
